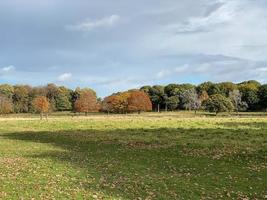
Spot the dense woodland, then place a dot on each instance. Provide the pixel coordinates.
(213, 97)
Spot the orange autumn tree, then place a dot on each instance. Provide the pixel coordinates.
(109, 104)
(116, 103)
(41, 105)
(138, 101)
(86, 102)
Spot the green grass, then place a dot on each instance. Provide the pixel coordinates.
(179, 114)
(149, 156)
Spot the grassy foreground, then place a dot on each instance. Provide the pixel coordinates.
(133, 157)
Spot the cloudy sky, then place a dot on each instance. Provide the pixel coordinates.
(121, 44)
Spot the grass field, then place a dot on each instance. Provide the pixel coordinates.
(149, 156)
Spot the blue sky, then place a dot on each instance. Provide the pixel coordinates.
(122, 44)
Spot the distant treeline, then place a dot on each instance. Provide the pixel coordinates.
(214, 97)
(51, 98)
(248, 95)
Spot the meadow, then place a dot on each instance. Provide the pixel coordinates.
(147, 156)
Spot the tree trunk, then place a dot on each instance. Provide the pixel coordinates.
(166, 107)
(158, 108)
(41, 115)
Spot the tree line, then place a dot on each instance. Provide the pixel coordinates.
(51, 98)
(213, 97)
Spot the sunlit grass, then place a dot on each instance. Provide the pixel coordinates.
(148, 156)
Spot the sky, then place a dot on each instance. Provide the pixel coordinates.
(122, 44)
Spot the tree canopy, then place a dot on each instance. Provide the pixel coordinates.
(86, 102)
(218, 103)
(248, 95)
(41, 105)
(138, 101)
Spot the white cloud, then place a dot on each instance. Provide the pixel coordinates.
(8, 68)
(90, 25)
(163, 73)
(223, 14)
(64, 77)
(235, 28)
(235, 70)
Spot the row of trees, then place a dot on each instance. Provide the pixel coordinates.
(214, 97)
(130, 101)
(25, 99)
(20, 98)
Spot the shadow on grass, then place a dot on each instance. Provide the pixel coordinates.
(167, 163)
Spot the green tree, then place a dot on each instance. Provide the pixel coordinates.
(218, 103)
(146, 89)
(21, 98)
(209, 87)
(254, 83)
(263, 96)
(226, 87)
(157, 96)
(63, 99)
(250, 93)
(7, 90)
(177, 90)
(170, 90)
(51, 94)
(172, 103)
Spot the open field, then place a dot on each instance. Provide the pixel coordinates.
(176, 114)
(148, 156)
